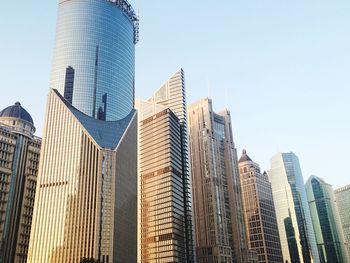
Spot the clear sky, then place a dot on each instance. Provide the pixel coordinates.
(281, 67)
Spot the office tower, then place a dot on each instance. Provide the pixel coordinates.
(259, 211)
(86, 202)
(19, 158)
(219, 222)
(166, 233)
(293, 215)
(94, 56)
(343, 202)
(326, 221)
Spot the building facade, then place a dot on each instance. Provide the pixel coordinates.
(94, 56)
(343, 203)
(219, 221)
(87, 180)
(19, 159)
(293, 214)
(259, 212)
(166, 232)
(326, 221)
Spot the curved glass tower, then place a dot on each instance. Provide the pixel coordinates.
(94, 56)
(87, 179)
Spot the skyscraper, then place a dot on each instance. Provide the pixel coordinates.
(326, 221)
(259, 211)
(220, 229)
(293, 215)
(19, 158)
(94, 56)
(165, 192)
(343, 203)
(86, 204)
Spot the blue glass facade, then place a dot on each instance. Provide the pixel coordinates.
(326, 221)
(96, 40)
(293, 215)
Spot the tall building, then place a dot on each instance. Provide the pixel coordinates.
(293, 215)
(19, 158)
(86, 202)
(259, 212)
(94, 56)
(166, 232)
(326, 221)
(218, 211)
(343, 203)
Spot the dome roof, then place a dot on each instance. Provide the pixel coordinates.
(16, 111)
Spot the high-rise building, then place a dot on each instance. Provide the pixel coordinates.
(86, 202)
(326, 221)
(166, 230)
(94, 56)
(19, 159)
(293, 214)
(343, 202)
(259, 212)
(218, 211)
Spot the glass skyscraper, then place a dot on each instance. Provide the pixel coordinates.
(259, 212)
(293, 214)
(86, 202)
(94, 56)
(343, 202)
(218, 209)
(326, 221)
(166, 228)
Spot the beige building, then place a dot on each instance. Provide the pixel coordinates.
(86, 205)
(165, 211)
(218, 211)
(259, 212)
(19, 158)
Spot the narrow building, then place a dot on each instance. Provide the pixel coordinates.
(326, 221)
(259, 212)
(218, 209)
(166, 232)
(19, 161)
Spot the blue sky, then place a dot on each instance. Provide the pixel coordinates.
(281, 67)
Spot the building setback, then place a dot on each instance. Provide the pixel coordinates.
(326, 221)
(166, 232)
(343, 203)
(292, 210)
(259, 212)
(218, 211)
(19, 161)
(86, 203)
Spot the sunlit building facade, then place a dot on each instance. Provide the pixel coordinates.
(86, 202)
(87, 185)
(343, 203)
(259, 212)
(293, 214)
(166, 230)
(19, 161)
(218, 210)
(94, 56)
(326, 221)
